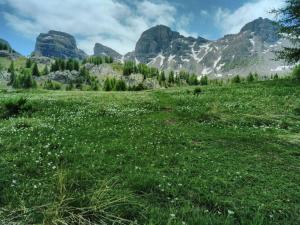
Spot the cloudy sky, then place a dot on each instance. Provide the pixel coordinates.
(119, 23)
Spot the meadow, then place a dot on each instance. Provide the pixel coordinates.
(228, 155)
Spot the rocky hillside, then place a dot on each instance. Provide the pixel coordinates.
(251, 50)
(7, 51)
(57, 44)
(102, 50)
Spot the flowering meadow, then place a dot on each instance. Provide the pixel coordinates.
(229, 155)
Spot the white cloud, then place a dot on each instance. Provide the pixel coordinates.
(232, 21)
(110, 22)
(203, 13)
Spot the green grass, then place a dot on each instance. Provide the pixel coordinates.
(227, 156)
(19, 63)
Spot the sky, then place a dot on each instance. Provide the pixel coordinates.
(119, 23)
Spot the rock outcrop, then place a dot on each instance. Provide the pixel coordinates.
(57, 44)
(102, 50)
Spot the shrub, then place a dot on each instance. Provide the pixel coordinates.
(204, 80)
(296, 73)
(52, 85)
(70, 87)
(236, 79)
(193, 80)
(107, 85)
(120, 85)
(35, 70)
(24, 80)
(139, 87)
(250, 77)
(14, 107)
(197, 91)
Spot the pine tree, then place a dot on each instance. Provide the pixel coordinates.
(76, 65)
(289, 22)
(46, 70)
(120, 85)
(171, 78)
(28, 63)
(35, 70)
(236, 79)
(250, 77)
(107, 85)
(70, 65)
(204, 80)
(12, 72)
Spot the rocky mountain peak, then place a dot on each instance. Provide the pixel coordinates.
(155, 40)
(57, 44)
(265, 28)
(102, 50)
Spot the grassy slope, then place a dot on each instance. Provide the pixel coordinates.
(228, 156)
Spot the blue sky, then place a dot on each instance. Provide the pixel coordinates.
(119, 23)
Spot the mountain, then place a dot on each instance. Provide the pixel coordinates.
(101, 50)
(251, 50)
(7, 51)
(4, 42)
(56, 44)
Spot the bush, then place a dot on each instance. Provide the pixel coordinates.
(70, 87)
(52, 85)
(296, 73)
(139, 87)
(24, 80)
(236, 79)
(108, 86)
(120, 85)
(204, 80)
(250, 77)
(197, 91)
(15, 107)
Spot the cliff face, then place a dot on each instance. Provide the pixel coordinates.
(57, 44)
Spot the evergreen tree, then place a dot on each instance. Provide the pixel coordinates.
(12, 72)
(46, 70)
(250, 77)
(70, 65)
(289, 22)
(120, 85)
(163, 76)
(76, 65)
(129, 68)
(24, 80)
(107, 85)
(28, 63)
(171, 78)
(236, 79)
(204, 80)
(193, 80)
(35, 70)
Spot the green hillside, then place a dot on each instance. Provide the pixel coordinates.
(229, 155)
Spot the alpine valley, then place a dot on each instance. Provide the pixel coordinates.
(251, 50)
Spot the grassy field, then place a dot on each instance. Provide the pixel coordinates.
(227, 156)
